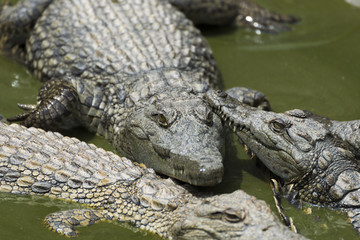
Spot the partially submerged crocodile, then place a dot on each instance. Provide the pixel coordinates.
(316, 156)
(36, 162)
(133, 71)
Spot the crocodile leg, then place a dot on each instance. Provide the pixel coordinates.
(208, 12)
(56, 99)
(16, 23)
(250, 97)
(64, 222)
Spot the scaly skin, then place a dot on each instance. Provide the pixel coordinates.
(316, 155)
(133, 71)
(36, 162)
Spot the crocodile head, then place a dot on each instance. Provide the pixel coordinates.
(229, 216)
(302, 148)
(179, 137)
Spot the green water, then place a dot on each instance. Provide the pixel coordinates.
(315, 67)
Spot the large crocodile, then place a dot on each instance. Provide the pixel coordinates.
(36, 162)
(316, 156)
(133, 71)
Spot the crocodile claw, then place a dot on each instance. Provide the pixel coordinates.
(31, 108)
(36, 115)
(27, 107)
(55, 100)
(278, 192)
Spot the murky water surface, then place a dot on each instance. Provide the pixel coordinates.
(315, 67)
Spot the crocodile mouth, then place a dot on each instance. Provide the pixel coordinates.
(200, 166)
(200, 232)
(277, 160)
(235, 128)
(196, 170)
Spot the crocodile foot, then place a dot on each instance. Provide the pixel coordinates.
(55, 100)
(64, 222)
(278, 193)
(250, 97)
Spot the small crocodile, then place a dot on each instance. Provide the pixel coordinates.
(316, 156)
(36, 162)
(133, 71)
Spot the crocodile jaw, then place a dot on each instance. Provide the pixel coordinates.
(188, 167)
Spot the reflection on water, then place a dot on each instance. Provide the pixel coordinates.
(355, 3)
(314, 67)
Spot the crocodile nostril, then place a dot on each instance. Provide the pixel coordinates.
(221, 94)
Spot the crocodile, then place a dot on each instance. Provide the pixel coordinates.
(317, 157)
(36, 162)
(133, 71)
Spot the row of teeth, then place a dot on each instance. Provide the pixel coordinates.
(249, 152)
(234, 128)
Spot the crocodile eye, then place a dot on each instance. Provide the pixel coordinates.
(233, 216)
(229, 215)
(216, 215)
(161, 119)
(278, 125)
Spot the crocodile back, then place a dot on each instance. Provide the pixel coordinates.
(95, 39)
(35, 161)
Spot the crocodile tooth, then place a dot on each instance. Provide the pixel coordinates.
(234, 128)
(246, 148)
(253, 156)
(291, 186)
(275, 185)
